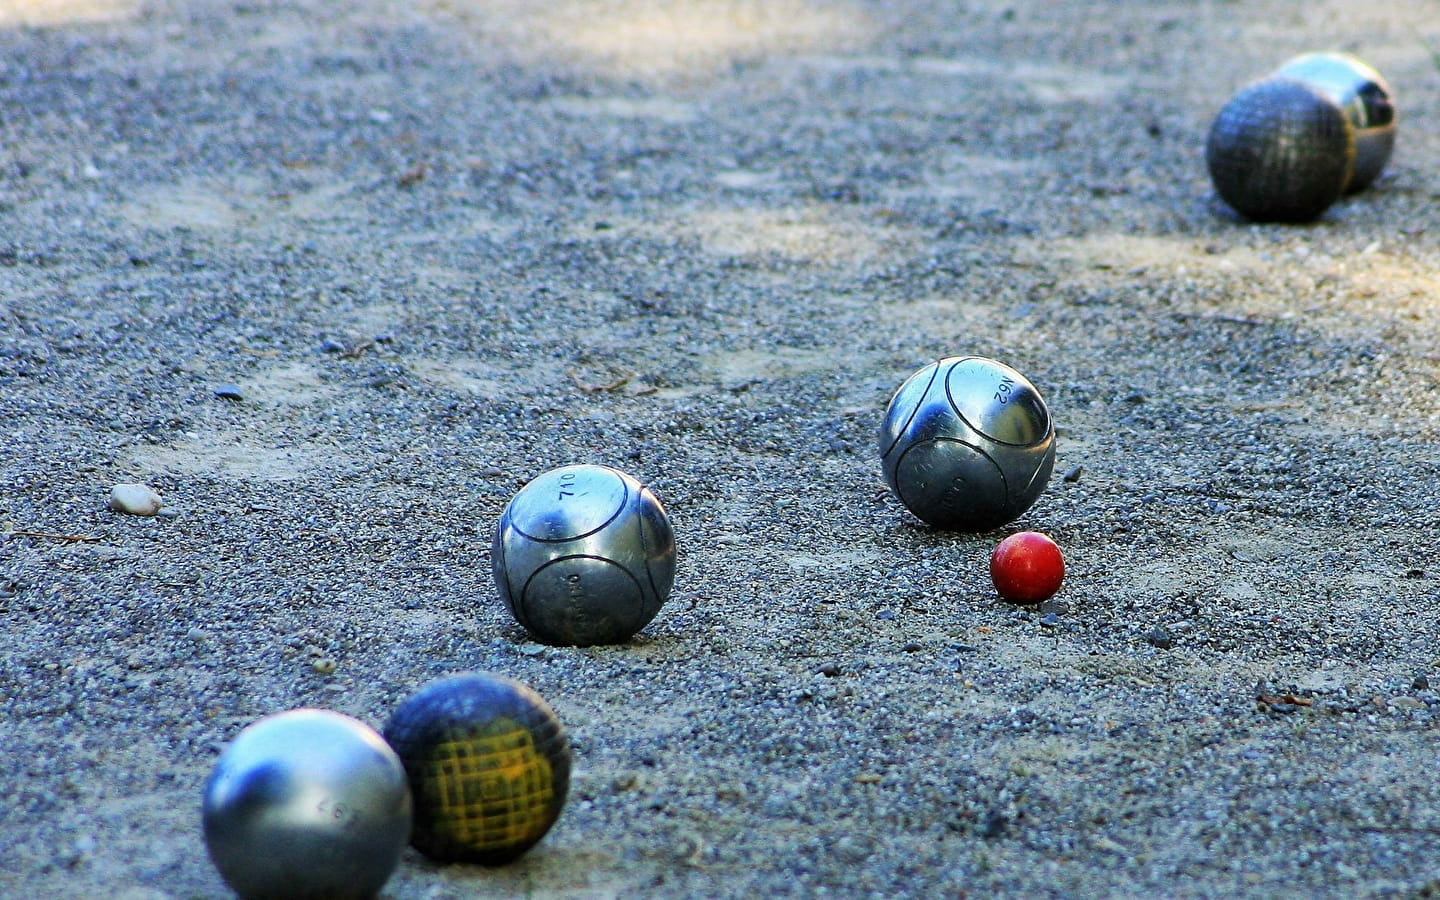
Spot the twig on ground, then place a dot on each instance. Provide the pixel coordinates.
(49, 535)
(615, 385)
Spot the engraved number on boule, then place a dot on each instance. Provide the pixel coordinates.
(341, 813)
(567, 485)
(1002, 391)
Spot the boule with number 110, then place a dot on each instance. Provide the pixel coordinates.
(584, 555)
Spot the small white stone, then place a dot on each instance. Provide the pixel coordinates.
(135, 499)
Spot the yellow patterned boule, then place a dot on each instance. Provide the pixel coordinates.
(488, 764)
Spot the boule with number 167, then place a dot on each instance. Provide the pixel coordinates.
(584, 555)
(307, 803)
(967, 444)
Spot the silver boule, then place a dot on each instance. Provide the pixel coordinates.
(307, 803)
(1280, 151)
(583, 555)
(1365, 98)
(967, 444)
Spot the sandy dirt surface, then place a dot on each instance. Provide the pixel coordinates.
(336, 279)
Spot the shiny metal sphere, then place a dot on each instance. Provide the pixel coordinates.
(584, 555)
(307, 804)
(967, 444)
(1280, 150)
(488, 763)
(1365, 99)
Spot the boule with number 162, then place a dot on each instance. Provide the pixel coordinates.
(584, 555)
(967, 444)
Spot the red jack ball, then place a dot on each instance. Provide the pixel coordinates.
(1027, 567)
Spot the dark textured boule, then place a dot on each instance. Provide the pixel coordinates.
(1280, 151)
(1367, 101)
(488, 765)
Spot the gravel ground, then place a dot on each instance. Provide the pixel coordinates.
(337, 279)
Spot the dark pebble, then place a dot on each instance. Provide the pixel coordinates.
(229, 392)
(885, 614)
(1073, 474)
(1420, 683)
(330, 345)
(1049, 620)
(1161, 637)
(994, 824)
(912, 647)
(1058, 607)
(829, 670)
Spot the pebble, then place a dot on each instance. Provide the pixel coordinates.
(229, 392)
(851, 850)
(994, 824)
(1107, 845)
(135, 500)
(325, 666)
(1159, 636)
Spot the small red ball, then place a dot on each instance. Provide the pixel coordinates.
(1027, 567)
